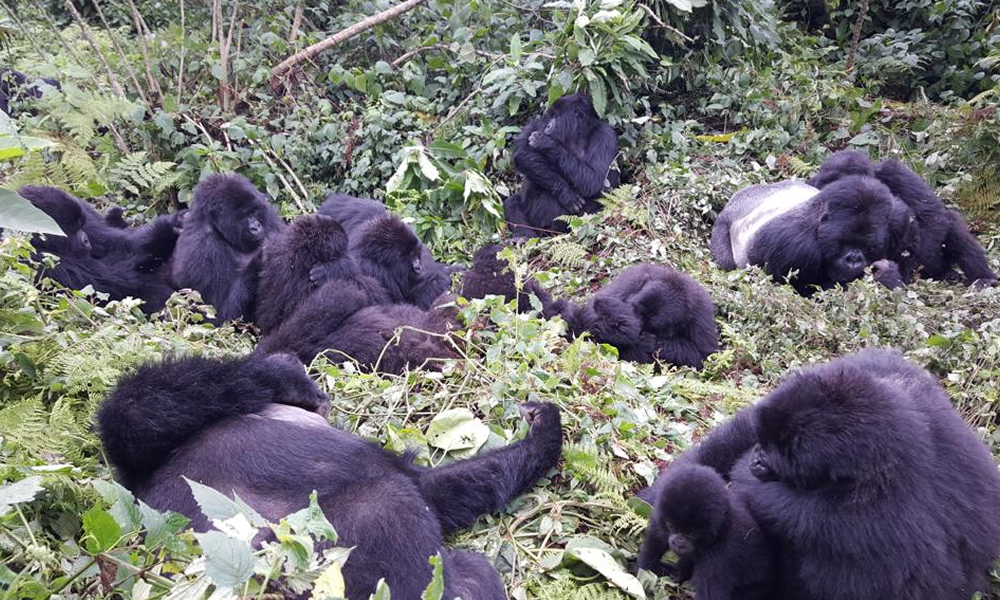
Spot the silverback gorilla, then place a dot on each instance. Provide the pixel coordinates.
(648, 312)
(865, 479)
(218, 252)
(251, 426)
(564, 156)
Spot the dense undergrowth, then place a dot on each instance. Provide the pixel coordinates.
(421, 112)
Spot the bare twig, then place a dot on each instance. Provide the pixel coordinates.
(296, 23)
(140, 25)
(659, 21)
(308, 53)
(288, 186)
(405, 57)
(26, 35)
(121, 53)
(862, 13)
(180, 70)
(97, 51)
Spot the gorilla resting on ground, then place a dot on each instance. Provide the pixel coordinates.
(354, 319)
(866, 480)
(218, 253)
(386, 248)
(250, 426)
(490, 275)
(290, 257)
(118, 262)
(716, 540)
(565, 156)
(827, 237)
(648, 312)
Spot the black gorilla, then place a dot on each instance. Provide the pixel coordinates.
(716, 540)
(648, 312)
(490, 275)
(386, 248)
(218, 253)
(15, 85)
(119, 262)
(354, 319)
(866, 480)
(288, 260)
(826, 237)
(216, 422)
(841, 164)
(564, 156)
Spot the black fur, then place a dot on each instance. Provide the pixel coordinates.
(564, 156)
(944, 238)
(119, 262)
(15, 85)
(841, 164)
(829, 238)
(352, 320)
(386, 248)
(187, 418)
(490, 275)
(718, 544)
(288, 260)
(867, 481)
(218, 253)
(648, 312)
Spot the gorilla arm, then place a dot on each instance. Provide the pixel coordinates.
(541, 172)
(587, 170)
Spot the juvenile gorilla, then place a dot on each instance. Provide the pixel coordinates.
(825, 237)
(490, 275)
(15, 85)
(122, 263)
(289, 258)
(716, 540)
(217, 422)
(648, 312)
(867, 482)
(218, 252)
(387, 249)
(565, 156)
(354, 319)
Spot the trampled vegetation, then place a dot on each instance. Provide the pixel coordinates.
(707, 97)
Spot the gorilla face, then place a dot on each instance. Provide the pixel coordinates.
(854, 228)
(241, 222)
(570, 116)
(695, 506)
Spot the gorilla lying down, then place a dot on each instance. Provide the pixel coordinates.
(105, 252)
(347, 315)
(862, 476)
(859, 216)
(648, 312)
(257, 427)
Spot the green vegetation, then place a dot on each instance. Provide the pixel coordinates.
(707, 97)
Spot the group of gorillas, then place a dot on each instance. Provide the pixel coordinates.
(853, 480)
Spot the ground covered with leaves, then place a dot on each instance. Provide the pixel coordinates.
(706, 101)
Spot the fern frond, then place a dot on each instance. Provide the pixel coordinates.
(568, 253)
(592, 466)
(135, 174)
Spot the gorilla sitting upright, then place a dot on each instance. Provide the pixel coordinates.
(815, 238)
(387, 249)
(251, 426)
(565, 157)
(648, 312)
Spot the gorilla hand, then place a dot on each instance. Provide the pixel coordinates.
(540, 141)
(572, 202)
(887, 273)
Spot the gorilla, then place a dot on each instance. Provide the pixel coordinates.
(565, 157)
(490, 275)
(289, 258)
(867, 482)
(218, 252)
(250, 426)
(355, 319)
(717, 541)
(118, 262)
(15, 85)
(386, 248)
(841, 164)
(816, 238)
(648, 312)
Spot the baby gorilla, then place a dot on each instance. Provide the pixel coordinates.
(288, 260)
(251, 426)
(387, 249)
(867, 482)
(490, 275)
(815, 238)
(218, 252)
(648, 312)
(715, 538)
(353, 319)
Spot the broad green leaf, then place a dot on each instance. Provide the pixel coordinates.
(515, 48)
(684, 5)
(123, 506)
(102, 530)
(457, 429)
(24, 490)
(381, 591)
(19, 214)
(397, 178)
(587, 57)
(601, 561)
(394, 97)
(435, 589)
(428, 169)
(329, 584)
(216, 505)
(312, 520)
(229, 562)
(598, 93)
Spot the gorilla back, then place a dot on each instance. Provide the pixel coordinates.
(392, 512)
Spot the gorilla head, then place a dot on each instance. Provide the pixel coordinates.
(237, 211)
(571, 115)
(841, 164)
(390, 252)
(694, 503)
